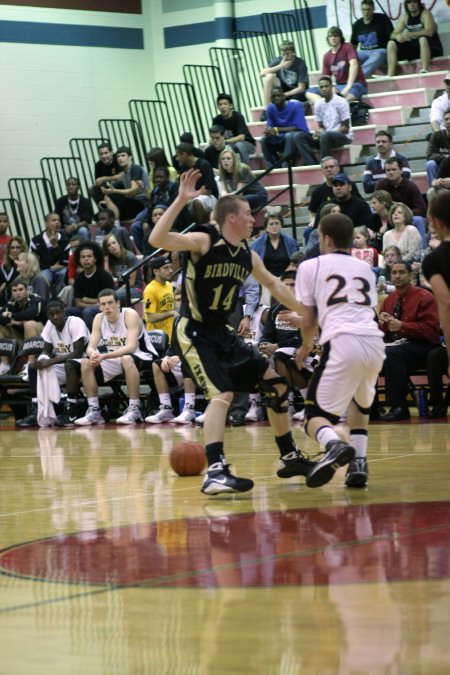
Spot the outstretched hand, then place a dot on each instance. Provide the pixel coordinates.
(188, 180)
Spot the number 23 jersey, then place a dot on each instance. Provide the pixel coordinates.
(343, 290)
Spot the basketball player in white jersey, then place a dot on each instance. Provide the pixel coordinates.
(128, 349)
(338, 293)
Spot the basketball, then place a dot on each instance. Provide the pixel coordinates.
(187, 458)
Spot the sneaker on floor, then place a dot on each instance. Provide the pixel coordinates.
(294, 464)
(67, 419)
(131, 415)
(219, 480)
(357, 473)
(255, 413)
(93, 416)
(30, 420)
(299, 416)
(165, 414)
(4, 368)
(337, 453)
(187, 416)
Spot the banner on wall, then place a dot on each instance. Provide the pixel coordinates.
(343, 13)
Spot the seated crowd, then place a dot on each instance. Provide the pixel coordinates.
(67, 283)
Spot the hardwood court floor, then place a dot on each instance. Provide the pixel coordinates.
(112, 565)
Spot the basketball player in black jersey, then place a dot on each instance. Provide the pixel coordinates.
(217, 261)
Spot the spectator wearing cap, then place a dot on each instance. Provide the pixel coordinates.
(332, 112)
(159, 304)
(356, 209)
(439, 106)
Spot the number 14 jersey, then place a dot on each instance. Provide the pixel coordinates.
(343, 290)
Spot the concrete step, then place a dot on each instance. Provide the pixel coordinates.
(300, 192)
(441, 63)
(409, 97)
(433, 80)
(363, 135)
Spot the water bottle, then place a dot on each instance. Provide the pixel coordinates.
(422, 403)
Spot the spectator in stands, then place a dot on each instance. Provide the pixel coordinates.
(287, 71)
(355, 208)
(156, 158)
(406, 191)
(187, 137)
(65, 339)
(162, 195)
(415, 37)
(324, 192)
(439, 106)
(201, 207)
(403, 233)
(341, 63)
(128, 350)
(436, 267)
(438, 149)
(442, 181)
(370, 35)
(117, 261)
(107, 170)
(237, 134)
(333, 115)
(108, 224)
(52, 249)
(275, 247)
(361, 248)
(391, 255)
(287, 132)
(75, 211)
(375, 166)
(409, 319)
(4, 236)
(380, 204)
(29, 270)
(159, 303)
(21, 318)
(234, 176)
(89, 282)
(8, 268)
(130, 197)
(215, 147)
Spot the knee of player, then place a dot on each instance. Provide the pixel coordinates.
(127, 361)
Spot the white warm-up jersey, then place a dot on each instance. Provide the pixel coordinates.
(74, 329)
(343, 290)
(114, 336)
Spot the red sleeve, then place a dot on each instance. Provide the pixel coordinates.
(426, 319)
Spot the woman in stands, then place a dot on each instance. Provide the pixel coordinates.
(234, 176)
(414, 37)
(275, 247)
(117, 261)
(8, 270)
(30, 270)
(403, 233)
(380, 204)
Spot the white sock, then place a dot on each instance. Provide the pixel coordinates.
(94, 402)
(189, 399)
(326, 434)
(164, 399)
(359, 440)
(135, 402)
